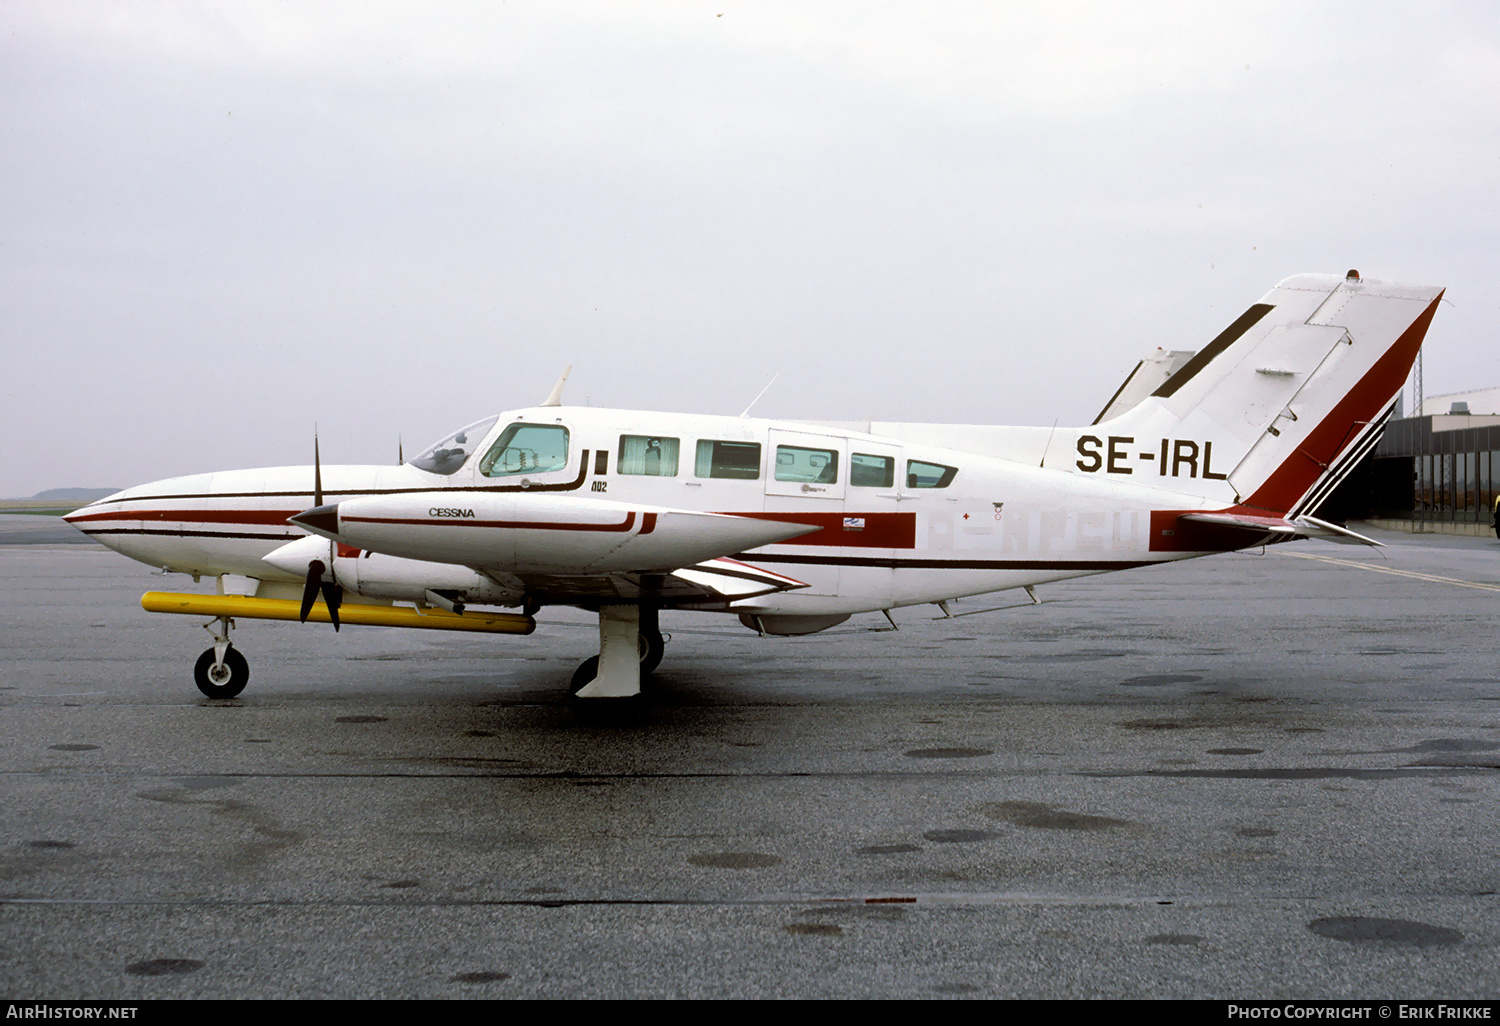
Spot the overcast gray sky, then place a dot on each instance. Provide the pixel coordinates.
(223, 222)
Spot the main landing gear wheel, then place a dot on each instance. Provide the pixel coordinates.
(587, 671)
(224, 681)
(651, 646)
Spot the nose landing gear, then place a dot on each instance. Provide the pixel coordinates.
(221, 672)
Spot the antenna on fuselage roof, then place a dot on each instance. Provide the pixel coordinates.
(761, 393)
(1048, 447)
(555, 398)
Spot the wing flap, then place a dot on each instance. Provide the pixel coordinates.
(731, 579)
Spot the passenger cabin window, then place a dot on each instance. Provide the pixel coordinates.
(527, 449)
(738, 461)
(809, 466)
(928, 475)
(648, 455)
(868, 471)
(448, 455)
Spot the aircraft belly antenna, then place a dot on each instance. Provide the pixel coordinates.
(762, 392)
(555, 398)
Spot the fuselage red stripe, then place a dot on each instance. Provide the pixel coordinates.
(513, 525)
(192, 516)
(845, 529)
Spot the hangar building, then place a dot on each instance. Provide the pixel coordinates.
(1437, 471)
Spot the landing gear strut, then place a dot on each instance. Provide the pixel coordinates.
(630, 645)
(221, 672)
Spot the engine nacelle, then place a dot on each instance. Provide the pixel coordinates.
(377, 575)
(380, 576)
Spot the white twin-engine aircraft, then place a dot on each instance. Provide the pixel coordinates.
(791, 526)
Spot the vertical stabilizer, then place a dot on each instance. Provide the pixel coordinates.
(1276, 409)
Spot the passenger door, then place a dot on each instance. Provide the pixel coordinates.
(805, 475)
(805, 466)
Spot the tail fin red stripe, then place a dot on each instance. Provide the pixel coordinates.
(1364, 402)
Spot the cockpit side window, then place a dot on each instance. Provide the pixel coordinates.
(929, 475)
(452, 452)
(527, 449)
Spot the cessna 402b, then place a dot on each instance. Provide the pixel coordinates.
(791, 527)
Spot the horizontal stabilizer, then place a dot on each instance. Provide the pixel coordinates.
(1281, 529)
(1277, 528)
(1312, 527)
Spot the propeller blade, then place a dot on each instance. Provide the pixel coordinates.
(317, 473)
(333, 597)
(310, 590)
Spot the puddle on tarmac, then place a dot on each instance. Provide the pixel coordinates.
(1368, 929)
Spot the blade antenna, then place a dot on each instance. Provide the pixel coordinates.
(1047, 448)
(554, 398)
(761, 393)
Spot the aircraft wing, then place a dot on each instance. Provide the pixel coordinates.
(711, 584)
(565, 550)
(731, 579)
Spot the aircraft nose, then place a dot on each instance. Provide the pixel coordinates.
(89, 512)
(322, 520)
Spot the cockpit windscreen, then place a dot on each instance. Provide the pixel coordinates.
(448, 455)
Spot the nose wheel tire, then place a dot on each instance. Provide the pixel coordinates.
(224, 681)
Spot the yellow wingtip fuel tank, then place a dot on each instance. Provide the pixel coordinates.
(371, 616)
